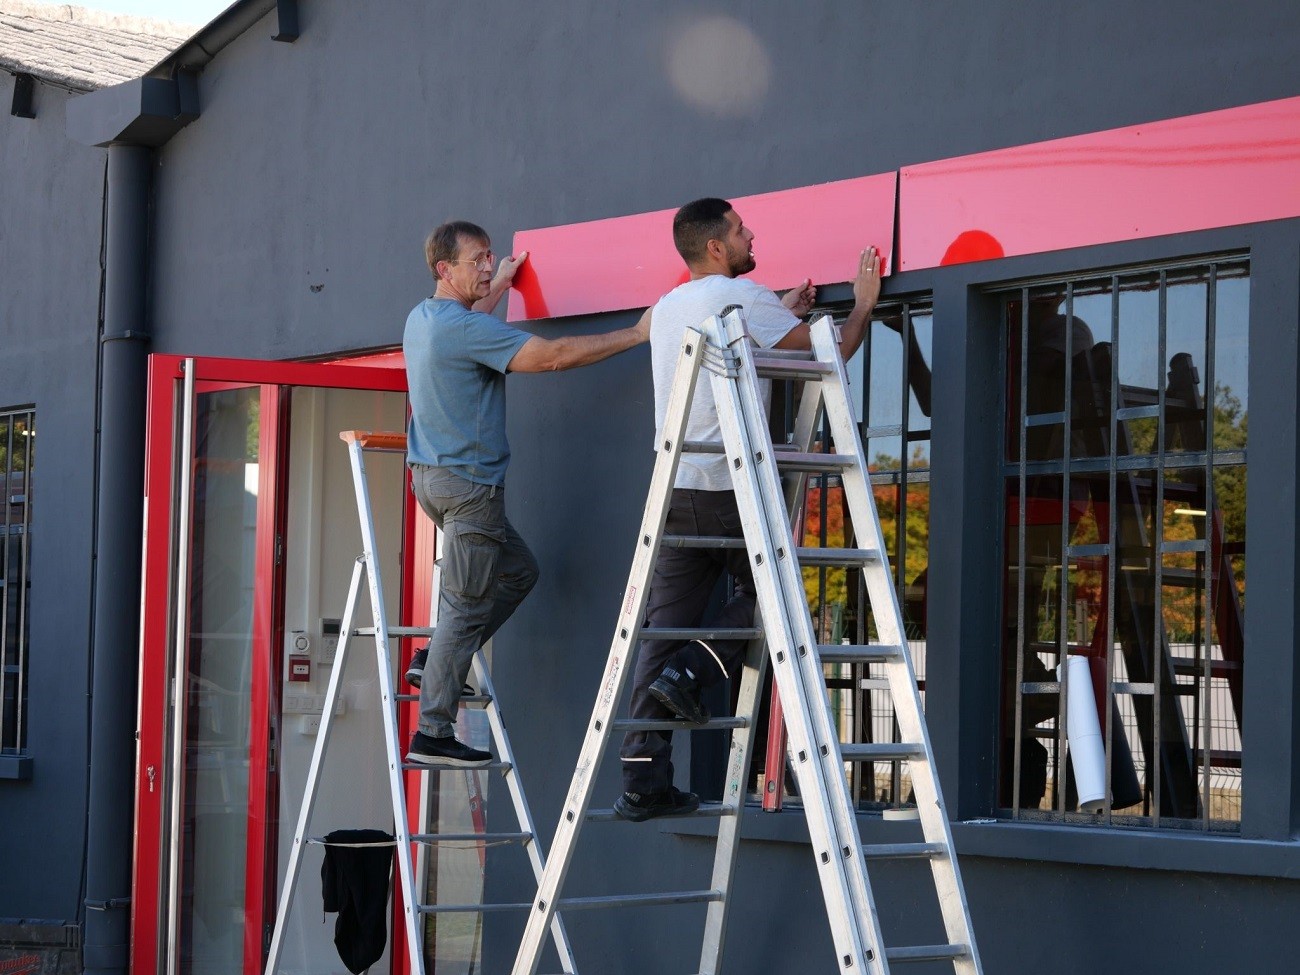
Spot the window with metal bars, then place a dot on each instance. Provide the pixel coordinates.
(890, 377)
(1124, 574)
(17, 445)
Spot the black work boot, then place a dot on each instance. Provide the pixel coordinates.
(679, 692)
(638, 807)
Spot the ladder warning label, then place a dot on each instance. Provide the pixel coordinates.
(627, 604)
(607, 693)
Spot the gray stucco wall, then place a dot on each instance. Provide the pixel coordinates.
(49, 299)
(288, 223)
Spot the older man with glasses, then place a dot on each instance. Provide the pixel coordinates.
(457, 356)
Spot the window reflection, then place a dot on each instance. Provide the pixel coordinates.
(891, 379)
(1128, 548)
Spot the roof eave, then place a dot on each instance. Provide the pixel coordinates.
(200, 49)
(142, 112)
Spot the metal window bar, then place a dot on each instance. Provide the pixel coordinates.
(1022, 456)
(1063, 577)
(1112, 559)
(1203, 558)
(1156, 766)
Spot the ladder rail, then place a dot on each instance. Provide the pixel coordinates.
(392, 744)
(815, 754)
(748, 703)
(615, 676)
(288, 891)
(888, 617)
(733, 804)
(533, 847)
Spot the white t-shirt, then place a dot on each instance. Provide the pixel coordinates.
(689, 305)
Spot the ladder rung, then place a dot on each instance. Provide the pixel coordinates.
(470, 908)
(787, 458)
(926, 953)
(806, 556)
(881, 752)
(638, 900)
(432, 838)
(708, 810)
(677, 724)
(904, 851)
(769, 368)
(466, 701)
(375, 440)
(697, 633)
(868, 653)
(702, 541)
(837, 556)
(434, 767)
(398, 631)
(814, 463)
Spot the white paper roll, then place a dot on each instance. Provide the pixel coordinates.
(1087, 749)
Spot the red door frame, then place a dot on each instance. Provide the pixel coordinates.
(165, 375)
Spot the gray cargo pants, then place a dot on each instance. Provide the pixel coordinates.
(487, 570)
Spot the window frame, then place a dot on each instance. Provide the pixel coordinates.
(963, 679)
(1016, 469)
(968, 356)
(15, 757)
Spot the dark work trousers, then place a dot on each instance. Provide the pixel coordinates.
(683, 582)
(487, 570)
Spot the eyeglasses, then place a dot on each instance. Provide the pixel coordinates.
(483, 263)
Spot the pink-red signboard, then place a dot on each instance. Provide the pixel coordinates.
(812, 232)
(1219, 169)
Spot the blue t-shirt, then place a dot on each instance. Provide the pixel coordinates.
(456, 372)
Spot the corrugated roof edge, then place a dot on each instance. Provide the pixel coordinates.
(195, 53)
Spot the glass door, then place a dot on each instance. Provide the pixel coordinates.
(210, 735)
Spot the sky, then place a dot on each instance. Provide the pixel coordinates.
(182, 11)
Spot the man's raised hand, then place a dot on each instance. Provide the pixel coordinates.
(509, 265)
(800, 298)
(866, 286)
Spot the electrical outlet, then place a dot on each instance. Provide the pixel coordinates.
(308, 724)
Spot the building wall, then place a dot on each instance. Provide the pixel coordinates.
(50, 219)
(288, 222)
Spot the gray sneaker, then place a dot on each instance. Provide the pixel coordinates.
(415, 672)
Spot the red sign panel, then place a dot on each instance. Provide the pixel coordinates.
(1237, 166)
(813, 232)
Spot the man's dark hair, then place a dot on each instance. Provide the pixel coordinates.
(444, 243)
(697, 223)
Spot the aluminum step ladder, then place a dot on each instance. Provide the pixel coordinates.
(788, 641)
(358, 442)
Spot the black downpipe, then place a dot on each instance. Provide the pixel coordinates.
(119, 517)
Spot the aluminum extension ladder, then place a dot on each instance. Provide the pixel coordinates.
(817, 755)
(359, 441)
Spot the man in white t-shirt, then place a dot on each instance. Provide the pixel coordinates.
(717, 248)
